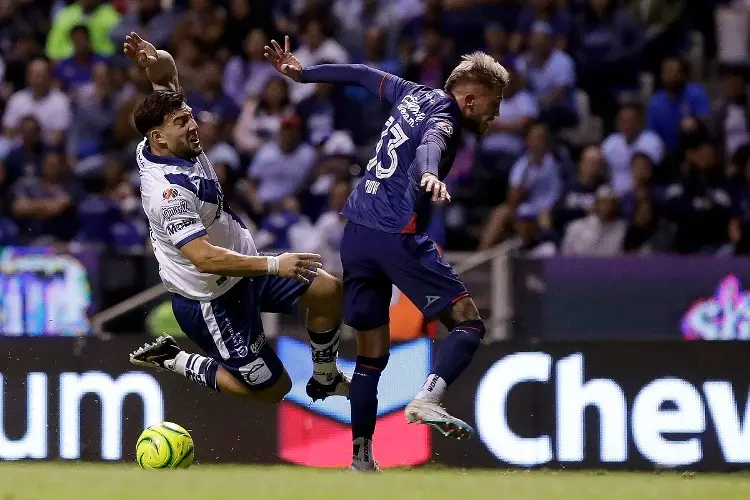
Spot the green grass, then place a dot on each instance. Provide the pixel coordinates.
(52, 481)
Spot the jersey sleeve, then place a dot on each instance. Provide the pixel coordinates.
(386, 86)
(175, 211)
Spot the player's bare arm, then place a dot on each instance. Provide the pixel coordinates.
(210, 259)
(159, 65)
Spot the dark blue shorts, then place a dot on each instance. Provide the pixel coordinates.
(230, 330)
(374, 260)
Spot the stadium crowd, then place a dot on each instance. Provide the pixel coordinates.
(666, 170)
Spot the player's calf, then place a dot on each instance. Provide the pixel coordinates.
(324, 302)
(454, 355)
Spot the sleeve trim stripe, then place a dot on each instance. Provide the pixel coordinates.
(190, 238)
(380, 88)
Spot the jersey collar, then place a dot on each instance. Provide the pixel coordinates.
(166, 160)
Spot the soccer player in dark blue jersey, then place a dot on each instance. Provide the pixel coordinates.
(384, 241)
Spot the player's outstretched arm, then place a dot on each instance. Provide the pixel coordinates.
(210, 259)
(384, 85)
(159, 65)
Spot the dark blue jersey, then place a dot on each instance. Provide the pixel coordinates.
(421, 135)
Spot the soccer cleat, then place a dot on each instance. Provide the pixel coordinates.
(434, 415)
(363, 466)
(339, 387)
(157, 353)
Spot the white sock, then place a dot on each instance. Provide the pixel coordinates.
(179, 363)
(362, 449)
(324, 360)
(194, 367)
(433, 389)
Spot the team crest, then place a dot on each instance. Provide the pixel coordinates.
(445, 127)
(170, 193)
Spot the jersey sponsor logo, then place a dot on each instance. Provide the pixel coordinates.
(445, 127)
(170, 193)
(174, 209)
(410, 111)
(176, 227)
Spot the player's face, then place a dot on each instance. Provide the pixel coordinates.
(482, 109)
(180, 133)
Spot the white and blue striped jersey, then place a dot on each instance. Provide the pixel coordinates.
(184, 201)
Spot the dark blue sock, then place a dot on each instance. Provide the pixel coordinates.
(363, 395)
(202, 370)
(458, 349)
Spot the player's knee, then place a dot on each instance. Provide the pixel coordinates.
(465, 310)
(325, 295)
(473, 328)
(277, 392)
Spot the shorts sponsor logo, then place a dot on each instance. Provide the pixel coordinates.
(256, 372)
(170, 193)
(176, 227)
(258, 344)
(174, 209)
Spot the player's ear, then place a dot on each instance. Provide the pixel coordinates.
(155, 136)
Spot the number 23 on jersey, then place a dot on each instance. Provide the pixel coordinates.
(397, 139)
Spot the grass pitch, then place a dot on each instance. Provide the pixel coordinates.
(54, 481)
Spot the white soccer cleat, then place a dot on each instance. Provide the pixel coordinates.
(434, 415)
(364, 466)
(157, 354)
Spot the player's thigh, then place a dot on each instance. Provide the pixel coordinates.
(419, 271)
(367, 290)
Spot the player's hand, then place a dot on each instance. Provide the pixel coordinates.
(431, 184)
(283, 60)
(299, 266)
(139, 51)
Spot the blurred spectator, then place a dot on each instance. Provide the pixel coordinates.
(497, 44)
(94, 116)
(21, 18)
(666, 28)
(48, 105)
(730, 118)
(211, 98)
(699, 204)
(203, 23)
(578, 200)
(246, 74)
(739, 225)
(433, 63)
(630, 138)
(317, 47)
(531, 240)
(359, 16)
(25, 49)
(643, 188)
(25, 160)
(8, 228)
(150, 20)
(534, 188)
(548, 11)
(280, 168)
(217, 151)
(125, 133)
(678, 99)
(284, 227)
(246, 16)
(259, 120)
(552, 79)
(503, 143)
(325, 236)
(98, 16)
(323, 112)
(602, 232)
(77, 69)
(45, 207)
(607, 44)
(189, 61)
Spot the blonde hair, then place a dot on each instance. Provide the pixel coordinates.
(481, 68)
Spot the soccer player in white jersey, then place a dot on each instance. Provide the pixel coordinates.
(208, 260)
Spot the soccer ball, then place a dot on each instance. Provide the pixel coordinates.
(165, 446)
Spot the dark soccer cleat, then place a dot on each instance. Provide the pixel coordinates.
(156, 354)
(339, 387)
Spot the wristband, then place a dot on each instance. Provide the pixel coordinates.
(273, 265)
